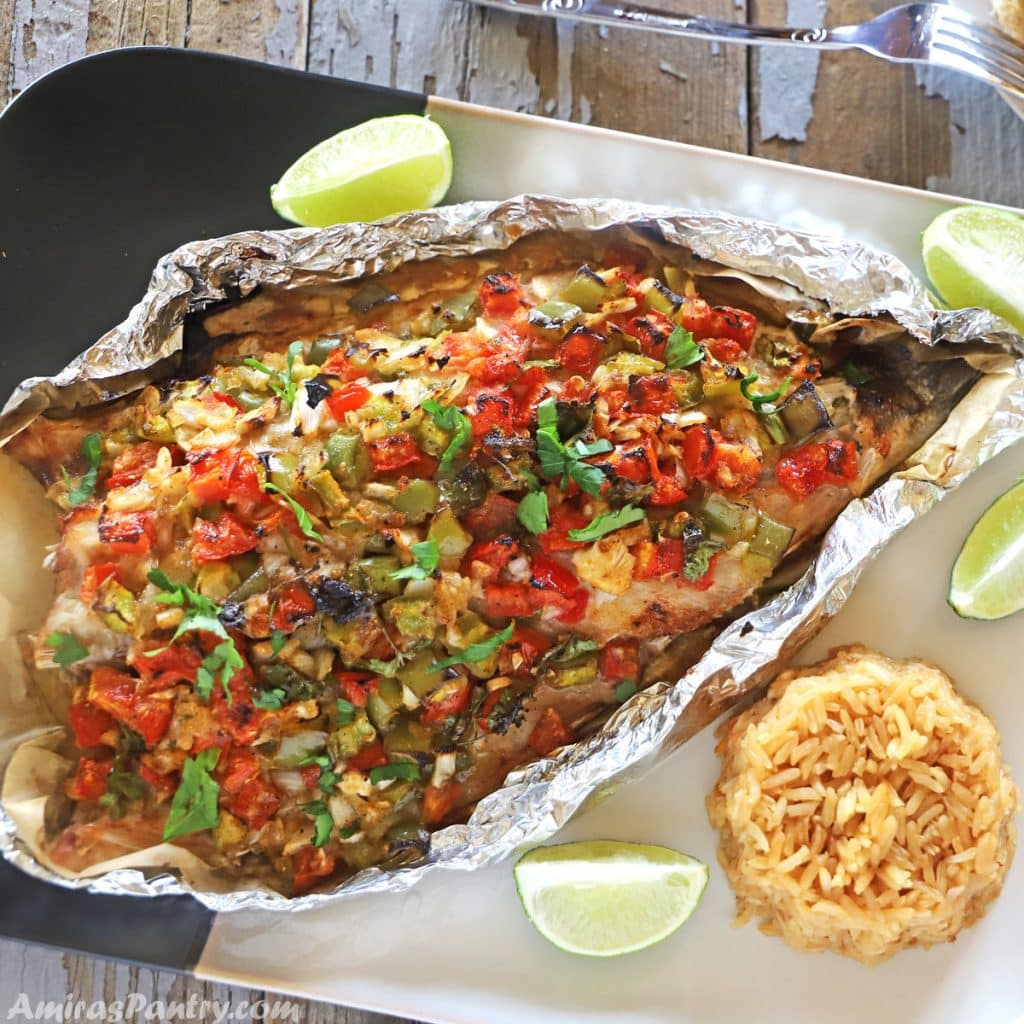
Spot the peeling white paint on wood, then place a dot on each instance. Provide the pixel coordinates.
(498, 72)
(47, 34)
(788, 77)
(286, 41)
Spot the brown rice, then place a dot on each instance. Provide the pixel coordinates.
(863, 807)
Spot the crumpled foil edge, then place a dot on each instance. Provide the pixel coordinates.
(536, 800)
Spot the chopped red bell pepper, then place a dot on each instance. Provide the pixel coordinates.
(129, 533)
(295, 604)
(95, 576)
(564, 517)
(337, 364)
(255, 803)
(725, 350)
(89, 723)
(630, 464)
(356, 686)
(652, 330)
(438, 801)
(178, 663)
(495, 554)
(346, 399)
(620, 659)
(530, 389)
(119, 694)
(699, 452)
(89, 782)
(580, 351)
(652, 395)
(228, 474)
(549, 733)
(449, 698)
(371, 756)
(498, 369)
(310, 864)
(735, 324)
(654, 560)
(523, 650)
(494, 411)
(393, 452)
(130, 465)
(547, 574)
(803, 471)
(508, 600)
(737, 467)
(239, 769)
(222, 538)
(162, 782)
(500, 294)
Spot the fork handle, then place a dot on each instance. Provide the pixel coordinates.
(600, 12)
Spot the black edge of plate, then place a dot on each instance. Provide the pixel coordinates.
(106, 164)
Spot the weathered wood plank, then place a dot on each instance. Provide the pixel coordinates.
(45, 35)
(6, 29)
(271, 30)
(130, 23)
(871, 118)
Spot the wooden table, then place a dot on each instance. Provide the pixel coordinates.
(845, 113)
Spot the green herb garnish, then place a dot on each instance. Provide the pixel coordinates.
(681, 350)
(221, 663)
(699, 562)
(305, 523)
(280, 383)
(451, 421)
(475, 652)
(427, 555)
(82, 491)
(533, 511)
(560, 460)
(855, 374)
(123, 787)
(270, 700)
(348, 831)
(388, 669)
(328, 777)
(569, 650)
(66, 649)
(625, 690)
(277, 641)
(323, 823)
(346, 711)
(762, 403)
(397, 770)
(608, 522)
(194, 806)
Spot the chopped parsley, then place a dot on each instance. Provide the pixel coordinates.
(82, 490)
(475, 652)
(329, 778)
(427, 555)
(699, 562)
(451, 421)
(277, 641)
(608, 523)
(305, 523)
(270, 700)
(194, 805)
(533, 512)
(565, 461)
(397, 770)
(681, 350)
(221, 663)
(66, 649)
(282, 384)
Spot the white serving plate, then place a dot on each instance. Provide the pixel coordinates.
(457, 949)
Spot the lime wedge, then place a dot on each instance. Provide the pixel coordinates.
(974, 256)
(378, 168)
(604, 898)
(988, 577)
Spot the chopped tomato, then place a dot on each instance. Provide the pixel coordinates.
(159, 671)
(652, 395)
(654, 560)
(725, 350)
(530, 388)
(95, 576)
(295, 604)
(696, 318)
(449, 698)
(393, 452)
(620, 659)
(438, 801)
(737, 468)
(119, 694)
(129, 466)
(346, 399)
(239, 769)
(89, 723)
(580, 351)
(310, 775)
(129, 533)
(337, 364)
(547, 574)
(523, 650)
(255, 803)
(630, 464)
(577, 389)
(564, 517)
(652, 331)
(310, 864)
(162, 782)
(574, 606)
(502, 368)
(699, 452)
(803, 471)
(735, 324)
(549, 733)
(227, 399)
(495, 554)
(225, 475)
(356, 686)
(494, 411)
(508, 600)
(237, 718)
(90, 780)
(500, 294)
(371, 756)
(222, 538)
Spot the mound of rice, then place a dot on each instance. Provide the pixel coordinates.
(863, 807)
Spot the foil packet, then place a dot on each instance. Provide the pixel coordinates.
(806, 275)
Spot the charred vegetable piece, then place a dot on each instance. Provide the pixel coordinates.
(804, 413)
(586, 290)
(369, 297)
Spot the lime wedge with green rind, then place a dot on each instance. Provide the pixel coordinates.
(606, 898)
(376, 169)
(988, 577)
(974, 256)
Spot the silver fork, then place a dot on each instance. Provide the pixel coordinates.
(922, 33)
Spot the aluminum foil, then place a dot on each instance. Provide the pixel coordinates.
(831, 276)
